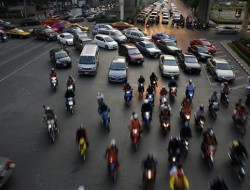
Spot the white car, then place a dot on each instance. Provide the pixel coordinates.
(168, 66)
(65, 38)
(118, 70)
(105, 41)
(164, 20)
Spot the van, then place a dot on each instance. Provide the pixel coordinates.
(89, 60)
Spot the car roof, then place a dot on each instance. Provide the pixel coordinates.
(170, 57)
(187, 54)
(147, 42)
(67, 33)
(129, 46)
(220, 60)
(119, 59)
(102, 35)
(56, 50)
(166, 40)
(203, 39)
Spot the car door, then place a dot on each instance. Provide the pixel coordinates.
(181, 60)
(61, 38)
(102, 42)
(161, 63)
(210, 65)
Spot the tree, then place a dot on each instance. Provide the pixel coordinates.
(194, 5)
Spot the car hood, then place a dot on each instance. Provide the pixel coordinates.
(64, 59)
(117, 73)
(69, 40)
(193, 65)
(52, 33)
(225, 73)
(171, 68)
(173, 48)
(153, 50)
(146, 38)
(121, 38)
(136, 56)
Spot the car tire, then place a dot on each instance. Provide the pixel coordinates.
(47, 39)
(20, 37)
(106, 47)
(214, 77)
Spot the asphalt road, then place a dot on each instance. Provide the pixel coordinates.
(40, 165)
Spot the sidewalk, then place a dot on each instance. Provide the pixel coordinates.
(241, 62)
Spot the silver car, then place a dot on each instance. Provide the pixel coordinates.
(168, 66)
(118, 70)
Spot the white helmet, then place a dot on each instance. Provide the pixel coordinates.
(112, 142)
(146, 101)
(135, 116)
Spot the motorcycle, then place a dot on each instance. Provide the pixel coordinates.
(71, 88)
(51, 129)
(106, 119)
(163, 99)
(149, 179)
(240, 123)
(184, 146)
(140, 90)
(150, 98)
(70, 104)
(172, 93)
(190, 94)
(213, 108)
(224, 98)
(82, 147)
(209, 155)
(165, 124)
(199, 122)
(128, 97)
(53, 83)
(147, 118)
(154, 84)
(135, 138)
(239, 166)
(185, 115)
(112, 168)
(174, 159)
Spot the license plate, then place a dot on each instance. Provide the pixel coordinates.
(85, 72)
(138, 62)
(65, 64)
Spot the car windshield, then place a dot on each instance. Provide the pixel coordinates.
(141, 34)
(171, 43)
(206, 43)
(61, 54)
(202, 50)
(87, 60)
(149, 45)
(133, 51)
(117, 66)
(118, 33)
(190, 60)
(68, 36)
(170, 62)
(48, 30)
(108, 39)
(223, 66)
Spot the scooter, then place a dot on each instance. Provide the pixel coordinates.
(82, 147)
(70, 105)
(185, 146)
(128, 97)
(140, 90)
(213, 109)
(149, 179)
(172, 93)
(240, 123)
(51, 129)
(199, 122)
(190, 94)
(224, 98)
(209, 156)
(112, 168)
(150, 98)
(106, 119)
(165, 124)
(135, 138)
(53, 83)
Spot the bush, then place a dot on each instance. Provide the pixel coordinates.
(240, 53)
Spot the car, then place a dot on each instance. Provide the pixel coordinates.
(44, 33)
(29, 22)
(80, 41)
(92, 18)
(131, 53)
(121, 25)
(105, 41)
(97, 26)
(59, 26)
(220, 69)
(165, 19)
(60, 58)
(77, 18)
(189, 63)
(50, 21)
(226, 30)
(152, 19)
(136, 36)
(148, 48)
(65, 38)
(7, 167)
(75, 31)
(6, 25)
(204, 43)
(118, 70)
(168, 47)
(141, 18)
(17, 33)
(159, 36)
(117, 35)
(74, 25)
(168, 66)
(133, 28)
(200, 52)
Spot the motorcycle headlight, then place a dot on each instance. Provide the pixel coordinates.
(188, 116)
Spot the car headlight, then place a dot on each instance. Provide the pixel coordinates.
(93, 68)
(57, 61)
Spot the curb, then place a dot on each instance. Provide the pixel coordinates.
(236, 59)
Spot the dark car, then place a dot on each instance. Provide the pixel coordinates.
(189, 63)
(74, 31)
(60, 57)
(44, 33)
(29, 22)
(131, 53)
(201, 53)
(7, 167)
(6, 25)
(168, 47)
(148, 48)
(80, 41)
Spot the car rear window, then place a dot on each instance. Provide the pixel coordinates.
(87, 60)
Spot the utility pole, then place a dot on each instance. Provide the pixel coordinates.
(122, 10)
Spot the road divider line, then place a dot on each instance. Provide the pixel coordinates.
(238, 87)
(20, 54)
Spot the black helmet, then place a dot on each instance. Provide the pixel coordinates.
(141, 76)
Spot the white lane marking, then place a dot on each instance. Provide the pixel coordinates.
(221, 56)
(204, 68)
(238, 87)
(20, 54)
(49, 45)
(30, 62)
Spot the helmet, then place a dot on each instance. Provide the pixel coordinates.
(112, 142)
(81, 126)
(127, 82)
(52, 69)
(235, 143)
(190, 81)
(149, 157)
(201, 106)
(211, 132)
(225, 83)
(242, 105)
(70, 77)
(172, 78)
(215, 92)
(153, 73)
(163, 87)
(149, 85)
(48, 108)
(135, 116)
(146, 101)
(141, 76)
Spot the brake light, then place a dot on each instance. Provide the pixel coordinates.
(10, 164)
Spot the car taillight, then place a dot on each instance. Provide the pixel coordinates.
(10, 164)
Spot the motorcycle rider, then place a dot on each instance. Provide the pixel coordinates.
(71, 81)
(174, 147)
(141, 80)
(200, 114)
(100, 98)
(208, 139)
(178, 181)
(163, 93)
(69, 94)
(190, 86)
(127, 87)
(146, 107)
(53, 74)
(240, 113)
(50, 115)
(165, 111)
(213, 98)
(103, 108)
(185, 106)
(153, 78)
(112, 151)
(149, 163)
(218, 184)
(185, 132)
(237, 152)
(135, 123)
(224, 90)
(81, 132)
(150, 90)
(172, 83)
